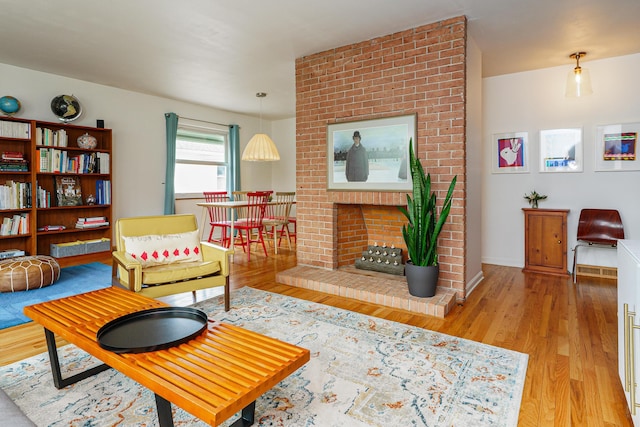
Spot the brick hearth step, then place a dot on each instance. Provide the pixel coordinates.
(389, 292)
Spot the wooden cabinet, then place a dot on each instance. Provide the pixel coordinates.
(50, 151)
(545, 241)
(628, 322)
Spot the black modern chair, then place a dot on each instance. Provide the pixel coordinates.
(597, 227)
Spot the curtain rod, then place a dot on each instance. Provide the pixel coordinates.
(203, 121)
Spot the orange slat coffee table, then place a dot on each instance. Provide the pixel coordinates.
(212, 377)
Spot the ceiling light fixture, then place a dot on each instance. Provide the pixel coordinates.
(260, 147)
(578, 80)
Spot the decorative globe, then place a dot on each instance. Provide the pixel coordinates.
(9, 105)
(66, 107)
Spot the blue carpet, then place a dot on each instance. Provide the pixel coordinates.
(73, 280)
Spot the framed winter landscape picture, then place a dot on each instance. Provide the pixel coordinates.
(510, 152)
(370, 155)
(617, 147)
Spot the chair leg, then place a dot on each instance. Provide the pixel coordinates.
(285, 229)
(226, 294)
(573, 270)
(274, 231)
(261, 240)
(242, 240)
(248, 244)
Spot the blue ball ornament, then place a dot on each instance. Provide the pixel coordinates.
(9, 105)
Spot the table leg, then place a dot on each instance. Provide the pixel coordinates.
(232, 237)
(165, 417)
(58, 381)
(248, 415)
(203, 221)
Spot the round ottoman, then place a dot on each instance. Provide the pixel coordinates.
(28, 272)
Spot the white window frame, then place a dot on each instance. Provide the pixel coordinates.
(205, 128)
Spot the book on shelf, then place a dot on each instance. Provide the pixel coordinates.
(48, 137)
(15, 195)
(68, 191)
(16, 165)
(92, 222)
(92, 219)
(10, 129)
(103, 192)
(11, 253)
(43, 198)
(56, 160)
(12, 155)
(15, 225)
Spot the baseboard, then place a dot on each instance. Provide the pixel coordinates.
(471, 285)
(597, 271)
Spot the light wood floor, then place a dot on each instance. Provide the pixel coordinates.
(569, 333)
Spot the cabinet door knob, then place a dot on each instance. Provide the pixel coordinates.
(559, 241)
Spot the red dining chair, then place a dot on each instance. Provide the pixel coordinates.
(218, 217)
(252, 224)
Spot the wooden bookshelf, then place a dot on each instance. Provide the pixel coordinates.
(62, 160)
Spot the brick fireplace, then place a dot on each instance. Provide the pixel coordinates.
(421, 71)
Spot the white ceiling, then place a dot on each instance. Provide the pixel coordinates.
(219, 53)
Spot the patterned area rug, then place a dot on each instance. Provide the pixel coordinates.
(363, 371)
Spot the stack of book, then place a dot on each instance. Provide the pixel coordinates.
(57, 138)
(103, 192)
(15, 195)
(13, 161)
(12, 226)
(92, 222)
(14, 129)
(44, 198)
(56, 160)
(11, 253)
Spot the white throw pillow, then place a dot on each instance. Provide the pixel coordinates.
(155, 249)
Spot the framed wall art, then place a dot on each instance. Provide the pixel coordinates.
(561, 150)
(510, 152)
(616, 147)
(370, 155)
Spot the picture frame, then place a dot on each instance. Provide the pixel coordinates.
(510, 152)
(561, 150)
(616, 147)
(378, 162)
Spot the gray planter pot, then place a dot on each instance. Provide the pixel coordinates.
(422, 281)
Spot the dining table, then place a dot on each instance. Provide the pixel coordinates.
(232, 206)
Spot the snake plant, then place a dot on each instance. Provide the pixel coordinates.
(424, 226)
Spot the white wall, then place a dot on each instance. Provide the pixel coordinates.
(138, 127)
(535, 100)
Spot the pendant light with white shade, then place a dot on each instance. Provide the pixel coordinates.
(260, 147)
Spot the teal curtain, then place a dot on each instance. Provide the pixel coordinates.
(169, 189)
(233, 181)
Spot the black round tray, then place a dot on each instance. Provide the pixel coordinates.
(151, 330)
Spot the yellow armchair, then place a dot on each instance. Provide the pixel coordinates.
(143, 263)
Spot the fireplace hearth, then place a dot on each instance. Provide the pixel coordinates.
(368, 286)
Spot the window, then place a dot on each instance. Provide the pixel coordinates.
(201, 161)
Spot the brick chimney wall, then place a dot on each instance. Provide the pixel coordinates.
(421, 71)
